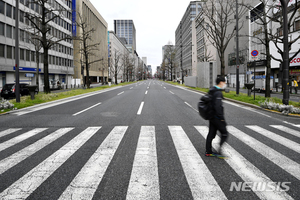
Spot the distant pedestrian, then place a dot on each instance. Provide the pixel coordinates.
(295, 86)
(217, 123)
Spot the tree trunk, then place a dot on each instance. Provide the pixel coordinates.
(268, 57)
(37, 56)
(46, 71)
(223, 64)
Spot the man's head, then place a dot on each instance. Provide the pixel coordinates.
(220, 81)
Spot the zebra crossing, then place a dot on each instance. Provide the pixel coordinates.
(144, 181)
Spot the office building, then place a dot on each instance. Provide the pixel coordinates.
(126, 29)
(60, 55)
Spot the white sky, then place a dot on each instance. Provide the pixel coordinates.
(155, 22)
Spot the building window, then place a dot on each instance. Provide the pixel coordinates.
(9, 52)
(2, 25)
(2, 6)
(280, 31)
(2, 50)
(8, 31)
(33, 56)
(22, 54)
(22, 16)
(27, 55)
(297, 25)
(8, 10)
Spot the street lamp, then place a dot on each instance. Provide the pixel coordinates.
(237, 50)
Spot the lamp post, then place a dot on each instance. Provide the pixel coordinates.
(237, 50)
(17, 56)
(285, 67)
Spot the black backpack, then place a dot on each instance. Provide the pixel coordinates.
(205, 107)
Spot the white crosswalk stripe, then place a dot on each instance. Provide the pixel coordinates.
(23, 187)
(143, 182)
(144, 179)
(20, 138)
(287, 130)
(16, 158)
(8, 131)
(282, 161)
(277, 138)
(201, 182)
(87, 180)
(247, 171)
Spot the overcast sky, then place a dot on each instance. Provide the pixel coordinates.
(155, 22)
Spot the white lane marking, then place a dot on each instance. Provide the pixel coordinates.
(296, 125)
(144, 181)
(9, 131)
(171, 92)
(59, 102)
(165, 87)
(247, 108)
(246, 170)
(146, 92)
(147, 87)
(87, 109)
(23, 187)
(140, 109)
(191, 106)
(277, 138)
(20, 138)
(121, 93)
(280, 160)
(201, 181)
(86, 182)
(131, 88)
(287, 130)
(225, 101)
(21, 155)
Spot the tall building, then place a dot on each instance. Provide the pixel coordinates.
(60, 55)
(98, 71)
(183, 39)
(126, 29)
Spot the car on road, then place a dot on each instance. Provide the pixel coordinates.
(8, 90)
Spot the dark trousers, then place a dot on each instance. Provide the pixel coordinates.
(214, 126)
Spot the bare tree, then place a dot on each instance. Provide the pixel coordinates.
(128, 65)
(218, 18)
(41, 21)
(169, 58)
(116, 64)
(87, 47)
(263, 15)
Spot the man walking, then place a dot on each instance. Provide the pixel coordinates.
(217, 123)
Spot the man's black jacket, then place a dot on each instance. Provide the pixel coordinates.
(217, 98)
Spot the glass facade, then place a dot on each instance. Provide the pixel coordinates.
(125, 29)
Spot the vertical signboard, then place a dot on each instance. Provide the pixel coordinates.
(74, 29)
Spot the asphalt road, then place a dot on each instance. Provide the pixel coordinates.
(145, 141)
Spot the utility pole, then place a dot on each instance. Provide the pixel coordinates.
(285, 66)
(17, 57)
(237, 50)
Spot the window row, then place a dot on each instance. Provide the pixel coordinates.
(8, 31)
(9, 11)
(7, 51)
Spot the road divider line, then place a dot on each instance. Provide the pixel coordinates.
(121, 93)
(146, 92)
(141, 108)
(191, 106)
(86, 109)
(171, 92)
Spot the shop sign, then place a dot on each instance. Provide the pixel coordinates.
(295, 71)
(295, 61)
(29, 75)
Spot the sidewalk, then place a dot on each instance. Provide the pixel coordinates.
(263, 94)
